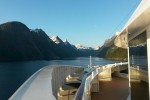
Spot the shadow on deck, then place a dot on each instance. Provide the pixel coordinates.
(139, 91)
(117, 89)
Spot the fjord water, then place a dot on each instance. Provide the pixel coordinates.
(14, 74)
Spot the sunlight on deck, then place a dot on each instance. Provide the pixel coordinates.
(117, 89)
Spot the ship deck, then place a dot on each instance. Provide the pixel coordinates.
(117, 89)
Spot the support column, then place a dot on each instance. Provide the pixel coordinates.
(148, 54)
(95, 84)
(105, 75)
(129, 97)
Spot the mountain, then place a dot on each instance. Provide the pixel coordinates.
(19, 43)
(85, 51)
(114, 48)
(69, 50)
(63, 49)
(97, 48)
(67, 43)
(80, 47)
(118, 50)
(56, 39)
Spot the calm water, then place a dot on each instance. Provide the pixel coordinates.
(12, 75)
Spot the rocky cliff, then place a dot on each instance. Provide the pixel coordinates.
(114, 48)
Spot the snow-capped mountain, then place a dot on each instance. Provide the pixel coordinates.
(56, 39)
(74, 50)
(139, 45)
(79, 46)
(97, 48)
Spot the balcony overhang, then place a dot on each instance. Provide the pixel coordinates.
(140, 18)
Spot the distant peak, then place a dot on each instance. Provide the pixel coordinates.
(54, 36)
(79, 46)
(56, 39)
(14, 25)
(97, 48)
(66, 41)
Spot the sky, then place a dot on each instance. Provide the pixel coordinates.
(86, 22)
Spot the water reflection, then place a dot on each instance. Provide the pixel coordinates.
(138, 67)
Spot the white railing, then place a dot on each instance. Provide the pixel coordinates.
(89, 78)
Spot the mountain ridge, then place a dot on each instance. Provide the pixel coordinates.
(19, 43)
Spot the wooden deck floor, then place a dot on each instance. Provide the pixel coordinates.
(139, 91)
(117, 89)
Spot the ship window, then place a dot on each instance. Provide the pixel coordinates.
(138, 67)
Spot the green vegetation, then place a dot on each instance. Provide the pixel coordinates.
(116, 53)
